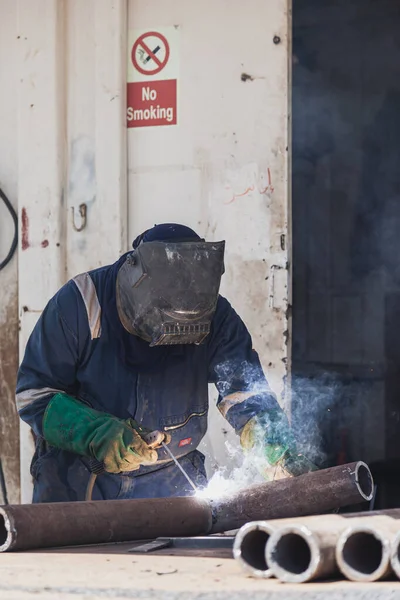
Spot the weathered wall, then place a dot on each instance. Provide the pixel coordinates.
(223, 170)
(71, 151)
(9, 438)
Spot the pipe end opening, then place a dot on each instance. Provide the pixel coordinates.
(364, 481)
(4, 532)
(362, 555)
(293, 557)
(252, 549)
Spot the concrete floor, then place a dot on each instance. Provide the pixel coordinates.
(111, 572)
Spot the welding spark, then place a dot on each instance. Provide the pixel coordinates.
(218, 487)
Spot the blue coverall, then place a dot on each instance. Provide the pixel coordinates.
(80, 347)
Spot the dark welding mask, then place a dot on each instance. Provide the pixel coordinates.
(167, 292)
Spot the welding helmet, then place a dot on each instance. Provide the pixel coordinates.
(167, 288)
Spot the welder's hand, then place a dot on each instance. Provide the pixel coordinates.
(269, 435)
(270, 432)
(145, 431)
(73, 426)
(120, 448)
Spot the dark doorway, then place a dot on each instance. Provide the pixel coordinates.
(346, 229)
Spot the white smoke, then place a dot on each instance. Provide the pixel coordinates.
(228, 481)
(314, 409)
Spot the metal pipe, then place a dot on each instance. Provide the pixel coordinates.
(312, 493)
(395, 555)
(297, 553)
(77, 523)
(251, 541)
(249, 548)
(363, 552)
(28, 526)
(304, 549)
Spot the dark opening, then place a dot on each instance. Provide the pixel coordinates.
(253, 549)
(3, 531)
(346, 235)
(365, 482)
(292, 553)
(363, 552)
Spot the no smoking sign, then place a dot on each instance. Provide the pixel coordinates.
(152, 78)
(150, 53)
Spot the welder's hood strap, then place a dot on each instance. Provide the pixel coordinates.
(167, 292)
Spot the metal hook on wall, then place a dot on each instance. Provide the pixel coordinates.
(82, 213)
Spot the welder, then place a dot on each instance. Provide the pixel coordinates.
(132, 347)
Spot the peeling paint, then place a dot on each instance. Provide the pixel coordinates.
(9, 422)
(24, 230)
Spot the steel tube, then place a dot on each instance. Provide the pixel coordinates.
(312, 493)
(76, 523)
(395, 555)
(305, 548)
(363, 552)
(297, 553)
(28, 526)
(249, 548)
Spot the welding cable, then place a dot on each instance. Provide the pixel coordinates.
(14, 217)
(90, 486)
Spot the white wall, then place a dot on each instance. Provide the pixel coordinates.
(71, 150)
(231, 137)
(63, 68)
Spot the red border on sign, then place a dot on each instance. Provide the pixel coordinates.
(140, 42)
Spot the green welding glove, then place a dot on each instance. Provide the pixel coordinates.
(272, 433)
(71, 425)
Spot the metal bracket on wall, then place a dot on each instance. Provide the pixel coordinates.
(278, 287)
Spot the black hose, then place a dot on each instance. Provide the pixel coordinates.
(3, 486)
(14, 217)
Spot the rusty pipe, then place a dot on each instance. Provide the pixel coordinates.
(27, 526)
(77, 523)
(249, 548)
(312, 493)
